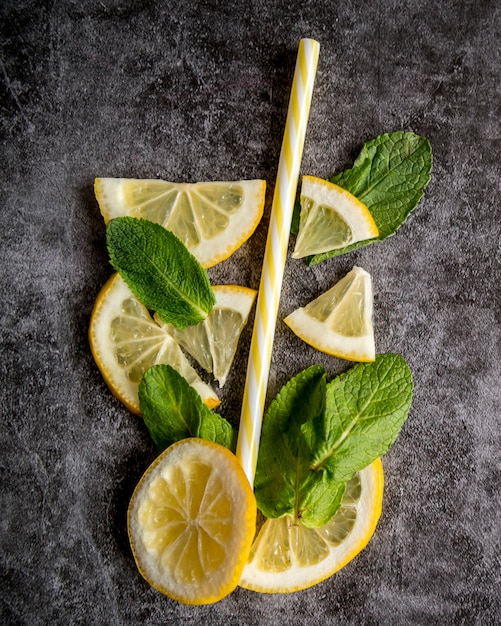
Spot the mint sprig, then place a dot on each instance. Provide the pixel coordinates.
(389, 176)
(173, 410)
(287, 444)
(316, 435)
(159, 270)
(364, 412)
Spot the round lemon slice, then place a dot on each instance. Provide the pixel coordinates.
(213, 342)
(212, 219)
(339, 322)
(331, 218)
(125, 341)
(191, 522)
(287, 557)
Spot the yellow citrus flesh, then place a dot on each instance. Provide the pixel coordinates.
(287, 557)
(339, 322)
(331, 218)
(213, 342)
(212, 219)
(126, 341)
(191, 522)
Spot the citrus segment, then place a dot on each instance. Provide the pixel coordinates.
(125, 341)
(191, 521)
(213, 342)
(331, 218)
(287, 557)
(212, 219)
(339, 322)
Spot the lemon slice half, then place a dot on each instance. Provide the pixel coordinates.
(212, 219)
(339, 322)
(125, 341)
(213, 342)
(191, 522)
(331, 218)
(287, 557)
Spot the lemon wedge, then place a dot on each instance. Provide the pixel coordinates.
(213, 342)
(339, 322)
(287, 557)
(331, 218)
(212, 219)
(125, 341)
(191, 522)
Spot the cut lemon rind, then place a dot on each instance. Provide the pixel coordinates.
(331, 218)
(122, 358)
(262, 574)
(339, 322)
(213, 342)
(191, 521)
(312, 332)
(213, 219)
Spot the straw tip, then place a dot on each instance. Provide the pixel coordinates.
(309, 41)
(309, 48)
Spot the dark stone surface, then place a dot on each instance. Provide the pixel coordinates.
(191, 91)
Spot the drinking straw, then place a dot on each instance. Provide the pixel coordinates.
(275, 253)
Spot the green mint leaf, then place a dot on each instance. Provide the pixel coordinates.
(159, 270)
(173, 410)
(321, 498)
(288, 443)
(389, 176)
(316, 436)
(365, 410)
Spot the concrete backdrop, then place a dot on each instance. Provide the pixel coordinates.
(192, 91)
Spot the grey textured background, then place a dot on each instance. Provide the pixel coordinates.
(198, 90)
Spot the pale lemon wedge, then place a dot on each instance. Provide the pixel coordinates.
(331, 218)
(287, 557)
(213, 342)
(339, 322)
(212, 219)
(191, 522)
(126, 341)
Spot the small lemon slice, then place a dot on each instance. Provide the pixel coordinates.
(339, 322)
(213, 342)
(287, 557)
(125, 341)
(191, 522)
(212, 219)
(331, 218)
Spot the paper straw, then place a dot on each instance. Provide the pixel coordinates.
(258, 367)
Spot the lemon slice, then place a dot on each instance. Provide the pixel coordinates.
(213, 342)
(286, 557)
(212, 219)
(339, 322)
(191, 522)
(126, 341)
(331, 218)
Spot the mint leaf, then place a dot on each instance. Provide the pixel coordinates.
(173, 410)
(159, 270)
(316, 436)
(284, 483)
(389, 176)
(283, 452)
(365, 410)
(320, 498)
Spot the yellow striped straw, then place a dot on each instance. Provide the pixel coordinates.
(275, 253)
